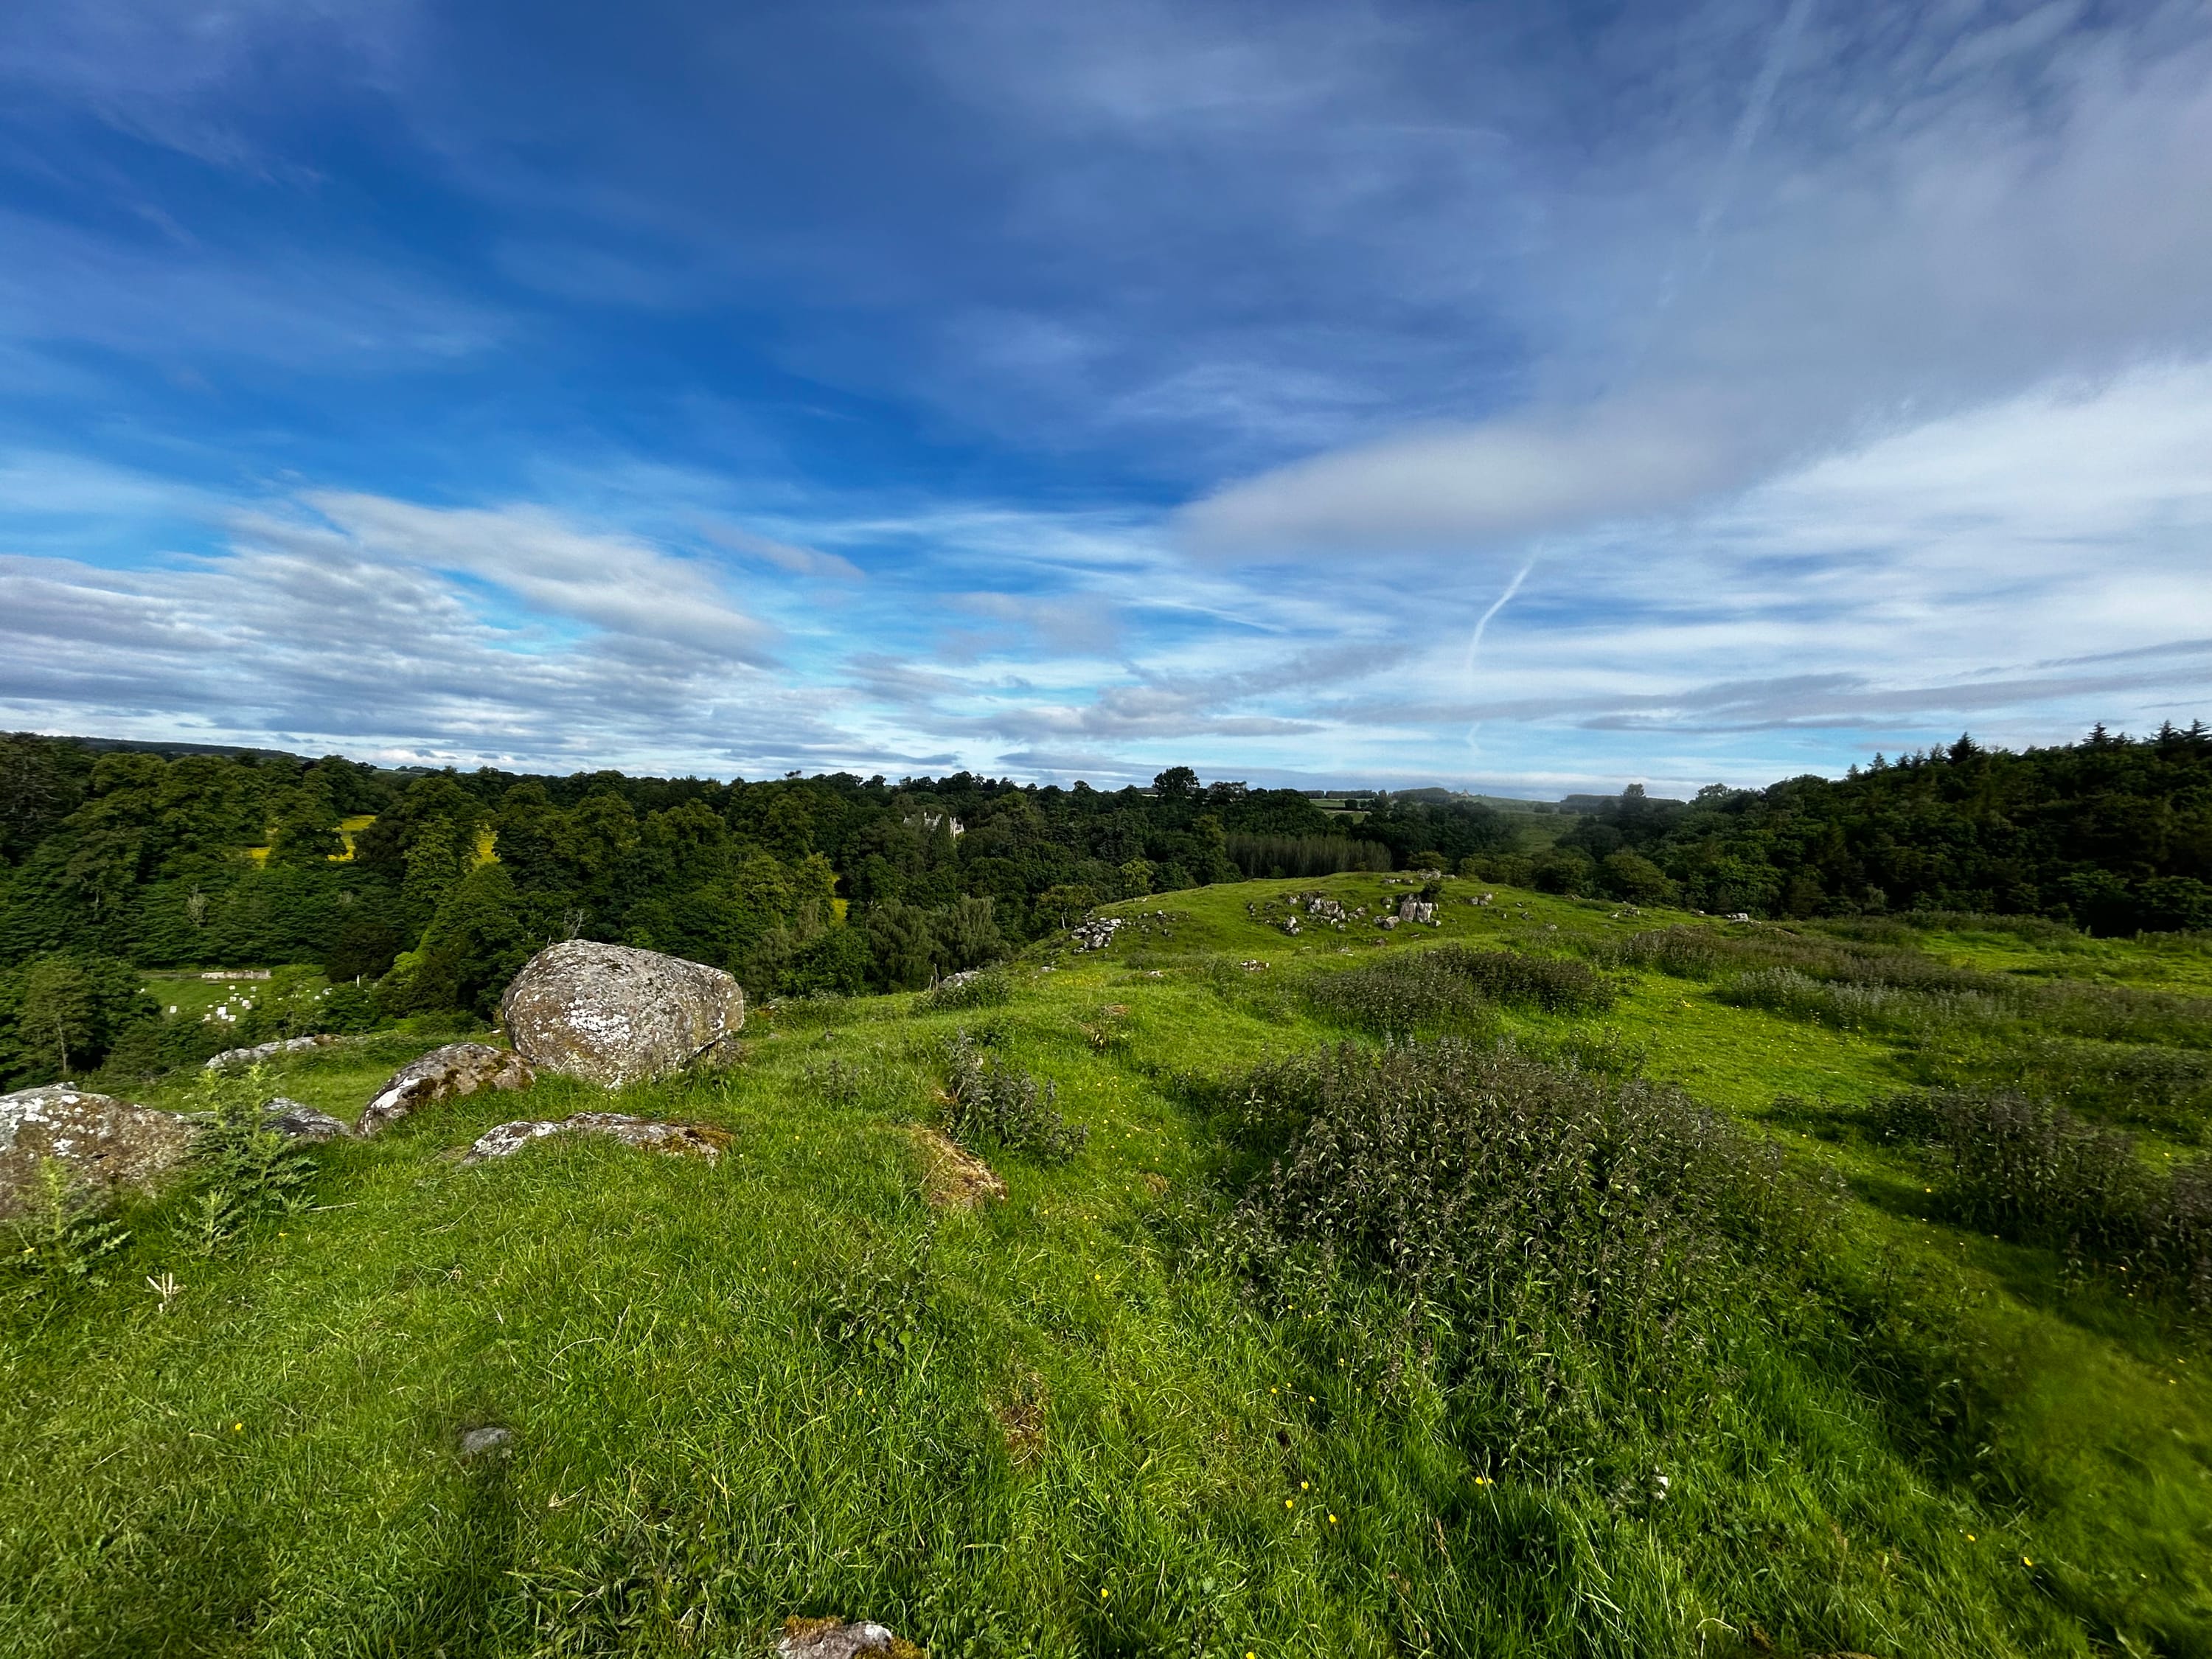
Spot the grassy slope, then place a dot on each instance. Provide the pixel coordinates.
(782, 1385)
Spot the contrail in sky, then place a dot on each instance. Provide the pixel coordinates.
(1728, 177)
(1726, 181)
(1474, 640)
(1753, 117)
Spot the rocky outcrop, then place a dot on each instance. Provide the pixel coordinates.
(446, 1074)
(954, 1178)
(297, 1122)
(614, 1014)
(106, 1144)
(677, 1139)
(261, 1051)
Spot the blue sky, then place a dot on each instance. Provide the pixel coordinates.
(1530, 399)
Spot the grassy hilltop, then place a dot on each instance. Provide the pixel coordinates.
(1559, 1280)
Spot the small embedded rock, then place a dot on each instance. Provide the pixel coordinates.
(294, 1121)
(832, 1638)
(677, 1139)
(476, 1442)
(446, 1074)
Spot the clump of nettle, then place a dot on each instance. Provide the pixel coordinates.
(1555, 1257)
(991, 1103)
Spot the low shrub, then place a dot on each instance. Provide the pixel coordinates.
(245, 1170)
(1707, 953)
(1556, 985)
(1851, 1006)
(1560, 1241)
(1401, 994)
(60, 1241)
(880, 1307)
(2168, 1090)
(979, 987)
(2114, 1013)
(990, 1102)
(2033, 1171)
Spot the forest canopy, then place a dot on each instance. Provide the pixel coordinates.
(419, 893)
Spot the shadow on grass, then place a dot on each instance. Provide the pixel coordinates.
(463, 1603)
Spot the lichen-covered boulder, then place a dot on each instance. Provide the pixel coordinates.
(106, 1143)
(615, 1014)
(446, 1074)
(679, 1140)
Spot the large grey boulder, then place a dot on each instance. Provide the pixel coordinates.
(106, 1143)
(446, 1074)
(615, 1014)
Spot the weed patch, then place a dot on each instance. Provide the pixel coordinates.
(991, 1103)
(2035, 1172)
(1552, 1243)
(1555, 985)
(1402, 995)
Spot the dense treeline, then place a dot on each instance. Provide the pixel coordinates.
(2111, 833)
(427, 890)
(419, 893)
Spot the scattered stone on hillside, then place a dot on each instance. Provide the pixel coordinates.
(614, 1014)
(291, 1119)
(106, 1143)
(446, 1074)
(832, 1638)
(1254, 965)
(1386, 921)
(1413, 910)
(476, 1442)
(954, 1178)
(1327, 908)
(261, 1051)
(1289, 924)
(1098, 932)
(677, 1139)
(1739, 915)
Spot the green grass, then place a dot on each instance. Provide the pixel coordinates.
(783, 1385)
